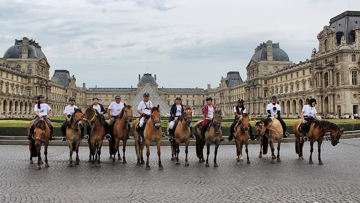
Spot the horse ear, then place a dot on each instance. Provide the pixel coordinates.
(261, 124)
(342, 130)
(158, 106)
(131, 106)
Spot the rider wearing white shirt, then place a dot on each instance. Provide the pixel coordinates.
(238, 111)
(176, 110)
(309, 113)
(69, 110)
(114, 111)
(274, 110)
(144, 111)
(41, 110)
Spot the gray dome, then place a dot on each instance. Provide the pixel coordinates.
(147, 78)
(261, 53)
(34, 50)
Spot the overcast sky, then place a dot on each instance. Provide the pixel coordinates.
(186, 43)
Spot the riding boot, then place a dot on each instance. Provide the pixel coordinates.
(51, 132)
(31, 133)
(250, 133)
(171, 135)
(63, 136)
(191, 135)
(107, 135)
(203, 130)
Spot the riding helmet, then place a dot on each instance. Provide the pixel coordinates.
(95, 98)
(71, 99)
(312, 100)
(240, 101)
(40, 96)
(178, 98)
(209, 98)
(146, 94)
(117, 97)
(273, 97)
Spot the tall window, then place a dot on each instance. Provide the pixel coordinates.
(353, 57)
(326, 77)
(297, 74)
(29, 69)
(265, 70)
(265, 82)
(326, 45)
(337, 79)
(303, 72)
(265, 93)
(291, 75)
(18, 67)
(276, 68)
(354, 77)
(337, 59)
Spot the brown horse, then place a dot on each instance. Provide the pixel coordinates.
(97, 133)
(152, 133)
(242, 137)
(316, 133)
(269, 130)
(213, 136)
(121, 132)
(182, 135)
(41, 135)
(73, 134)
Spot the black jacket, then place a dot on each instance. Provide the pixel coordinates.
(173, 111)
(102, 109)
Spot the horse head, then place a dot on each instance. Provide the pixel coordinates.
(127, 112)
(217, 119)
(89, 115)
(260, 129)
(155, 116)
(77, 118)
(335, 135)
(245, 121)
(187, 115)
(39, 132)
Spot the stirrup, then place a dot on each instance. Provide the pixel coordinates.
(86, 137)
(51, 138)
(108, 136)
(63, 139)
(29, 137)
(192, 136)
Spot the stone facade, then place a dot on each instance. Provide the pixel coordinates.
(330, 76)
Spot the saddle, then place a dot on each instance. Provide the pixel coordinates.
(199, 126)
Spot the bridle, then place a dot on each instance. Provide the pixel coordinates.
(76, 123)
(156, 121)
(126, 119)
(187, 119)
(244, 126)
(337, 137)
(39, 139)
(92, 119)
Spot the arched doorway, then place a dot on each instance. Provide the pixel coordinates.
(4, 107)
(288, 107)
(10, 107)
(25, 108)
(16, 110)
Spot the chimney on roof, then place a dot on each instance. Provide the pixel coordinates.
(155, 76)
(269, 49)
(25, 48)
(139, 77)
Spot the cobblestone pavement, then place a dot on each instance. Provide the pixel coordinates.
(338, 180)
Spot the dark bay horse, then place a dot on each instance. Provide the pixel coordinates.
(242, 137)
(97, 133)
(316, 134)
(182, 135)
(40, 136)
(268, 130)
(213, 136)
(152, 133)
(73, 134)
(121, 132)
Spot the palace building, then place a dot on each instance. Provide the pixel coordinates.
(330, 76)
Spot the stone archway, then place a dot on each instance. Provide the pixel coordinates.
(293, 107)
(300, 106)
(283, 107)
(288, 107)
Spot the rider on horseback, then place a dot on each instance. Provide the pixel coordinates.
(100, 109)
(41, 110)
(115, 108)
(69, 110)
(309, 113)
(274, 110)
(208, 110)
(238, 111)
(177, 109)
(144, 111)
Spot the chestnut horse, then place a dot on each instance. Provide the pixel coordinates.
(97, 133)
(182, 135)
(120, 132)
(316, 133)
(213, 136)
(269, 130)
(242, 137)
(152, 133)
(73, 134)
(41, 135)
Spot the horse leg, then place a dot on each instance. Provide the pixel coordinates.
(216, 151)
(173, 150)
(207, 157)
(99, 152)
(142, 151)
(272, 151)
(119, 156)
(261, 144)
(71, 153)
(186, 152)
(39, 160)
(159, 154)
(278, 152)
(147, 143)
(311, 151)
(319, 151)
(77, 153)
(177, 148)
(92, 154)
(124, 148)
(241, 147)
(116, 149)
(237, 143)
(202, 151)
(137, 149)
(247, 152)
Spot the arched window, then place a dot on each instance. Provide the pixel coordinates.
(354, 77)
(29, 69)
(265, 70)
(326, 45)
(326, 77)
(337, 59)
(18, 67)
(353, 57)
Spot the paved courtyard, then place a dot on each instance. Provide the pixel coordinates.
(338, 180)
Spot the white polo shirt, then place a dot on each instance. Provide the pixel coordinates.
(271, 106)
(44, 108)
(69, 110)
(309, 111)
(116, 108)
(144, 107)
(178, 110)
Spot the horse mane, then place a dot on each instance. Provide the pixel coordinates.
(121, 114)
(266, 121)
(40, 124)
(154, 109)
(217, 112)
(326, 124)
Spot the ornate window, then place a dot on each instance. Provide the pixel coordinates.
(326, 45)
(354, 77)
(353, 57)
(326, 77)
(29, 69)
(276, 68)
(18, 67)
(265, 70)
(337, 79)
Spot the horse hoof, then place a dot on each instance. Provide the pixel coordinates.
(161, 167)
(41, 162)
(186, 164)
(138, 163)
(238, 163)
(99, 165)
(207, 165)
(216, 165)
(142, 162)
(69, 165)
(200, 161)
(302, 158)
(248, 162)
(119, 158)
(92, 165)
(110, 157)
(278, 160)
(113, 163)
(260, 156)
(47, 165)
(321, 163)
(38, 167)
(31, 162)
(124, 162)
(172, 159)
(148, 168)
(272, 161)
(177, 163)
(241, 159)
(311, 162)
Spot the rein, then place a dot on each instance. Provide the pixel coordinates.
(92, 119)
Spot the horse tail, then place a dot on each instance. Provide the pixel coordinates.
(33, 148)
(265, 144)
